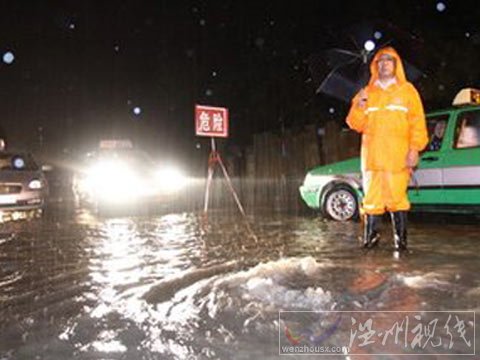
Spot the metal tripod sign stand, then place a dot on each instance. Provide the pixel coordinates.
(213, 122)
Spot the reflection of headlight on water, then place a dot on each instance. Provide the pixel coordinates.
(171, 180)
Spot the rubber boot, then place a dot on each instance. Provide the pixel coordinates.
(370, 234)
(399, 223)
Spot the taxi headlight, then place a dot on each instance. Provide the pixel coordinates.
(316, 181)
(113, 181)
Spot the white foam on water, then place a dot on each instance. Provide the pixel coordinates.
(277, 270)
(284, 284)
(474, 292)
(281, 297)
(428, 280)
(236, 307)
(271, 284)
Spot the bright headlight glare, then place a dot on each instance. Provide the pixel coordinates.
(171, 179)
(35, 184)
(109, 173)
(113, 181)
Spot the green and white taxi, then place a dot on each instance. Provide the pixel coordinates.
(447, 178)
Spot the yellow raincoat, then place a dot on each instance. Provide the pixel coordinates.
(392, 123)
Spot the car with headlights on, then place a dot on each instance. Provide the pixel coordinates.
(446, 180)
(23, 186)
(119, 178)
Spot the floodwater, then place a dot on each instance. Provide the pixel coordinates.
(74, 285)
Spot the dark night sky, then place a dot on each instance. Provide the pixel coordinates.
(81, 67)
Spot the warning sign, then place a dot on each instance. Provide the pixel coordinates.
(211, 121)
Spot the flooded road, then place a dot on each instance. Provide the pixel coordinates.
(77, 286)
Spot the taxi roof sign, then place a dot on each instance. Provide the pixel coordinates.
(467, 96)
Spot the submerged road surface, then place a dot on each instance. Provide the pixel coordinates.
(167, 286)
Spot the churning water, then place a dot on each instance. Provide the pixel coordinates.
(76, 286)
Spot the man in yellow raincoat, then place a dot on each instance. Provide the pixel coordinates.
(388, 113)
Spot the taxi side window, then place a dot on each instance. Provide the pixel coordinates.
(436, 131)
(468, 130)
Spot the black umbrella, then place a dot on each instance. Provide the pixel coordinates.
(347, 72)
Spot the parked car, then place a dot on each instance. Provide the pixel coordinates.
(447, 178)
(23, 185)
(118, 176)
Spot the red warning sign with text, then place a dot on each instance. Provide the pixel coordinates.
(211, 121)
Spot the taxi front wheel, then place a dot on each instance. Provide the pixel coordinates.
(340, 203)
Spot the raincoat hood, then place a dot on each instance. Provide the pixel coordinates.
(399, 72)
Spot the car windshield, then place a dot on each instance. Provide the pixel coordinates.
(17, 162)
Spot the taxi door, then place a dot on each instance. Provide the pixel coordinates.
(426, 184)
